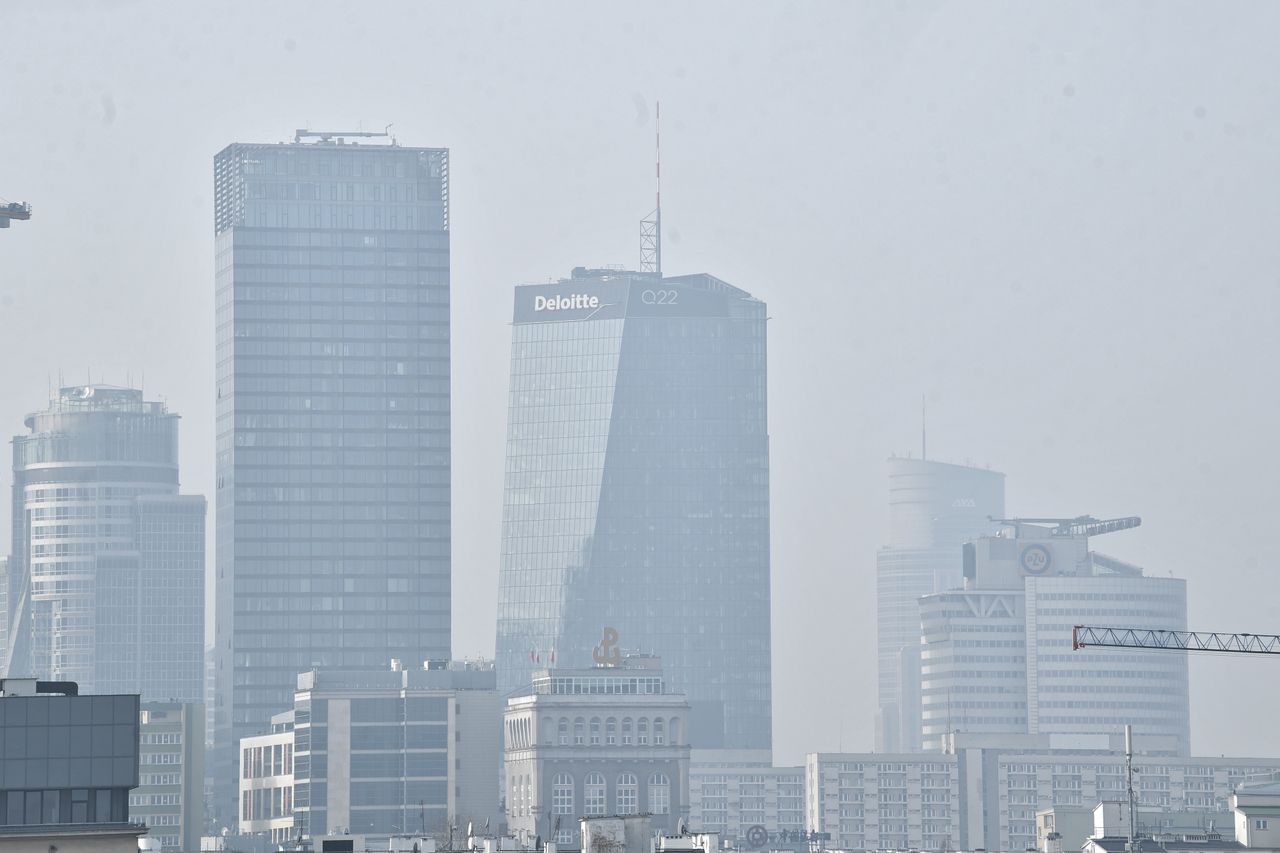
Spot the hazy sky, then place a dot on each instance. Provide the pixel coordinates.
(1057, 221)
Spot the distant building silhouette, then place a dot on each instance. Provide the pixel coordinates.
(106, 581)
(934, 508)
(637, 491)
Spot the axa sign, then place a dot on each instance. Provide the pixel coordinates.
(570, 302)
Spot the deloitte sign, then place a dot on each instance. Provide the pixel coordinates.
(572, 302)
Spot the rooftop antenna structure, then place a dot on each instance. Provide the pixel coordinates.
(329, 135)
(924, 439)
(651, 228)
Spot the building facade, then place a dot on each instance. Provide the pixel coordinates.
(106, 581)
(170, 794)
(69, 763)
(609, 740)
(934, 508)
(376, 752)
(637, 490)
(987, 796)
(333, 449)
(997, 656)
(266, 782)
(731, 798)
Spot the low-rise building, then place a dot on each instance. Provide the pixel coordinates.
(731, 797)
(68, 763)
(609, 740)
(170, 794)
(381, 753)
(266, 782)
(986, 792)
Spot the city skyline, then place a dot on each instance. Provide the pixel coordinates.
(1061, 239)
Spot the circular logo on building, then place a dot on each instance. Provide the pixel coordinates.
(1036, 559)
(757, 836)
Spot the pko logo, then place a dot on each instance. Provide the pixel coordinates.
(565, 303)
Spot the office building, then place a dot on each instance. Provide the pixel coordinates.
(607, 740)
(266, 782)
(996, 655)
(934, 508)
(68, 764)
(985, 793)
(333, 453)
(170, 793)
(394, 751)
(106, 578)
(728, 798)
(637, 491)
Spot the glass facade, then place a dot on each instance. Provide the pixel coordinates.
(108, 582)
(67, 759)
(637, 490)
(333, 469)
(934, 508)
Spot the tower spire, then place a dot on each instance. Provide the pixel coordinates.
(651, 228)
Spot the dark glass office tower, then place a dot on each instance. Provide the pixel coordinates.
(332, 275)
(637, 490)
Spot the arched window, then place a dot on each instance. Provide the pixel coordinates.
(564, 731)
(579, 731)
(595, 731)
(611, 732)
(627, 737)
(547, 733)
(642, 731)
(673, 730)
(593, 795)
(659, 794)
(628, 794)
(659, 732)
(562, 794)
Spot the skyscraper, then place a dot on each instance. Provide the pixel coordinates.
(934, 508)
(106, 582)
(636, 510)
(333, 470)
(996, 656)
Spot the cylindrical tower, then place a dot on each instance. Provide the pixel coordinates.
(76, 479)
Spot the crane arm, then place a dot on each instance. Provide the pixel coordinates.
(1091, 637)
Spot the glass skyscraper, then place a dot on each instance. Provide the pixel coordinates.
(934, 508)
(636, 511)
(333, 470)
(106, 582)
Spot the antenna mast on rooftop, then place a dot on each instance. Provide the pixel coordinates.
(651, 228)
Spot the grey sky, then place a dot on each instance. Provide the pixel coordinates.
(1058, 221)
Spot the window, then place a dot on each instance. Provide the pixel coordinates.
(611, 732)
(1260, 824)
(564, 731)
(593, 795)
(562, 794)
(579, 731)
(628, 794)
(642, 732)
(659, 794)
(659, 732)
(595, 731)
(626, 731)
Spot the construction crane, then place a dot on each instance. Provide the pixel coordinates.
(13, 210)
(1082, 525)
(1090, 637)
